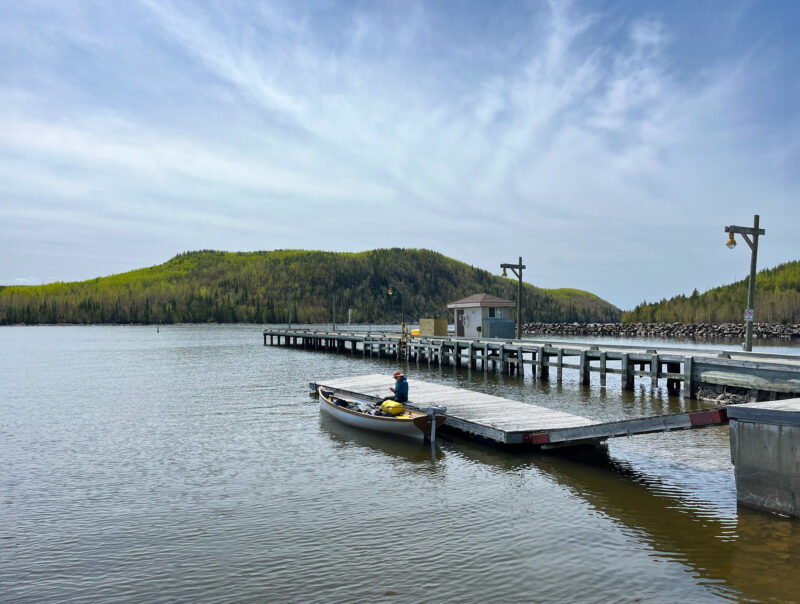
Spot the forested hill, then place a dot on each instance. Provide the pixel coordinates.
(255, 287)
(777, 301)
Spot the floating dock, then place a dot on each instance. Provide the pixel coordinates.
(758, 376)
(514, 423)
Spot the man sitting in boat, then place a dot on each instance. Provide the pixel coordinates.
(401, 388)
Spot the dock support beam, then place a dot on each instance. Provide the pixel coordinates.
(603, 368)
(560, 367)
(584, 369)
(544, 364)
(655, 365)
(688, 380)
(627, 372)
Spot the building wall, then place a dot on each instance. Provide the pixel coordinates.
(473, 318)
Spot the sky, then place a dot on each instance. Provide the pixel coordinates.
(607, 143)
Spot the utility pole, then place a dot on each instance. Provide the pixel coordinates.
(517, 270)
(754, 231)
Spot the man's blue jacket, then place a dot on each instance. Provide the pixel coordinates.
(401, 388)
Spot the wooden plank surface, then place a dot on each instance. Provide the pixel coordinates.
(514, 422)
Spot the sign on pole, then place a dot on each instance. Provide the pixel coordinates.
(748, 314)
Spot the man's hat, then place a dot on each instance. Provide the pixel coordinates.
(398, 374)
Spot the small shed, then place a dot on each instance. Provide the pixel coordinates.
(470, 312)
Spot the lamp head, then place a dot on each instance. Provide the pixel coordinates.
(731, 243)
(389, 291)
(504, 272)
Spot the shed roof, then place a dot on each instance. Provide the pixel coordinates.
(481, 300)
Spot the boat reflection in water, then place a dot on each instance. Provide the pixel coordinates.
(418, 454)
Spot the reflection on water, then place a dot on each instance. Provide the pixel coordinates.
(191, 465)
(699, 528)
(418, 454)
(685, 514)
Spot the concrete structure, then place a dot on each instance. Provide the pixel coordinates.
(765, 450)
(469, 313)
(433, 327)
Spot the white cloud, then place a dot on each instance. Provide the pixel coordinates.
(561, 141)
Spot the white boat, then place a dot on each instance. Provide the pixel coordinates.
(362, 414)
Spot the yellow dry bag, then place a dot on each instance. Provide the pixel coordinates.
(392, 407)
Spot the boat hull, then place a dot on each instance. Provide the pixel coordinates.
(417, 426)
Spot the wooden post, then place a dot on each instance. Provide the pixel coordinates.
(520, 365)
(560, 366)
(603, 368)
(688, 380)
(544, 364)
(655, 365)
(485, 358)
(584, 369)
(627, 372)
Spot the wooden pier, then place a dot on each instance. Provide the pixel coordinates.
(758, 376)
(514, 423)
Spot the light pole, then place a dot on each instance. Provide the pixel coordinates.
(390, 291)
(751, 290)
(517, 270)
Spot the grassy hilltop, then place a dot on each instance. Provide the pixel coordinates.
(777, 301)
(230, 287)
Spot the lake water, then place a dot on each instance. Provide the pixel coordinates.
(191, 465)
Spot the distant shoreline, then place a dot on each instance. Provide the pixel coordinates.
(678, 331)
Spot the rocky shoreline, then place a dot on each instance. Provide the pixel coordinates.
(680, 331)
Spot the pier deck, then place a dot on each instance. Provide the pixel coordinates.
(758, 376)
(509, 422)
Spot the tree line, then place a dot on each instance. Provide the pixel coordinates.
(777, 300)
(276, 286)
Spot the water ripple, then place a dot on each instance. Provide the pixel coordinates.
(192, 466)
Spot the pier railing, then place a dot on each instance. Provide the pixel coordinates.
(747, 376)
